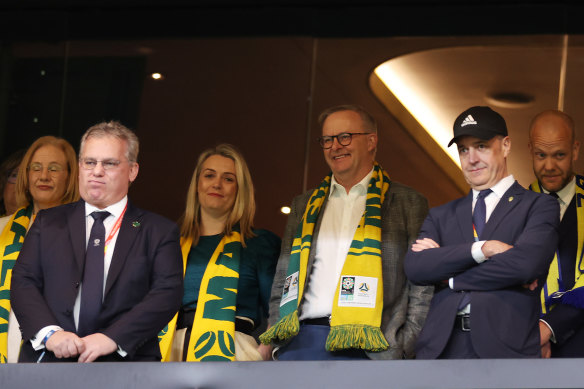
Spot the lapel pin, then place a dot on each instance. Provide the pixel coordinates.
(510, 198)
(135, 224)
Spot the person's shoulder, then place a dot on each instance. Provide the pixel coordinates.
(264, 238)
(402, 191)
(61, 210)
(399, 188)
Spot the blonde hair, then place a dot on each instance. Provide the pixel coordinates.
(23, 196)
(243, 210)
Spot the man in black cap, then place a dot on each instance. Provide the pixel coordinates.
(484, 252)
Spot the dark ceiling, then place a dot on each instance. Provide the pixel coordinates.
(108, 19)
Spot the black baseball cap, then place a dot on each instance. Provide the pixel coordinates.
(482, 122)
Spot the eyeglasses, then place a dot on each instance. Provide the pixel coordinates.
(344, 139)
(106, 164)
(53, 168)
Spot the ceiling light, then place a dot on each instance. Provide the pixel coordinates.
(285, 210)
(511, 100)
(157, 76)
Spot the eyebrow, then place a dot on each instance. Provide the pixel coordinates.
(215, 171)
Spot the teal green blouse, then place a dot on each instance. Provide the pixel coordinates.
(256, 272)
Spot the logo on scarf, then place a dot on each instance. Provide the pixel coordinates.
(206, 342)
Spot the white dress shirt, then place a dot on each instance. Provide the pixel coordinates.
(339, 223)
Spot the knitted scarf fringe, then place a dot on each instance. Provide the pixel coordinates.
(286, 328)
(361, 336)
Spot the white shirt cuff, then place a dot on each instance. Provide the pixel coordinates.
(477, 251)
(37, 340)
(553, 337)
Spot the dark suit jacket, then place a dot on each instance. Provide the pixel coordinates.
(143, 288)
(567, 321)
(404, 305)
(504, 315)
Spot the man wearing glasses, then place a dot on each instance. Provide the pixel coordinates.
(99, 278)
(340, 291)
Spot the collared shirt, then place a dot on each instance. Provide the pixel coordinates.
(115, 211)
(565, 195)
(491, 201)
(339, 223)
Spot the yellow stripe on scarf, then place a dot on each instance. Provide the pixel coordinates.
(10, 244)
(551, 292)
(351, 327)
(213, 330)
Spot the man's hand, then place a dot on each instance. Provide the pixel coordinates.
(494, 247)
(265, 351)
(424, 244)
(97, 345)
(65, 344)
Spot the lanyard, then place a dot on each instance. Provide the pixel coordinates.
(114, 230)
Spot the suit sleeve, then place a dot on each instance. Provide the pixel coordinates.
(143, 322)
(294, 218)
(529, 258)
(565, 320)
(419, 297)
(432, 266)
(28, 302)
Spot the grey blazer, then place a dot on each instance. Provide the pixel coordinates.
(404, 305)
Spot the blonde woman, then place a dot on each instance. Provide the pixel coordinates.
(228, 265)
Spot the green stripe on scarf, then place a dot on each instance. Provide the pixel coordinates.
(551, 293)
(351, 327)
(10, 244)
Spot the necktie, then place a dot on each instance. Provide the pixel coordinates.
(554, 194)
(479, 216)
(92, 287)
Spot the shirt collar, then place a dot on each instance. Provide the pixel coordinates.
(361, 186)
(499, 188)
(566, 193)
(115, 209)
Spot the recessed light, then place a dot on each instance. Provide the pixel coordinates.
(157, 76)
(511, 100)
(285, 210)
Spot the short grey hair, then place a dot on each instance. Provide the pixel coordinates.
(368, 120)
(115, 129)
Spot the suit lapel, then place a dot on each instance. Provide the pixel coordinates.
(128, 232)
(76, 224)
(464, 217)
(510, 200)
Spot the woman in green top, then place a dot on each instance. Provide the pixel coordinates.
(222, 252)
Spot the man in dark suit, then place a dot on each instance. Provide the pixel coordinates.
(486, 251)
(554, 149)
(349, 142)
(99, 278)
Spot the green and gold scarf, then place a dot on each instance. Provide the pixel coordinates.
(351, 326)
(213, 329)
(552, 292)
(10, 244)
